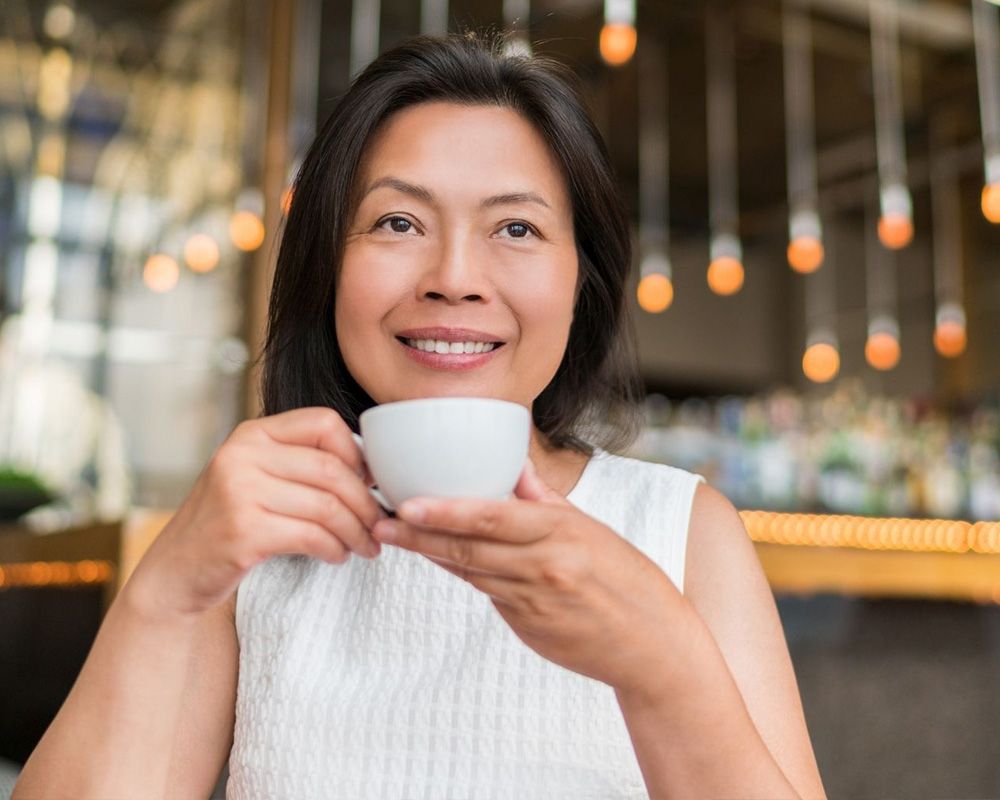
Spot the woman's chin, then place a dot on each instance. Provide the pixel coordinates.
(455, 390)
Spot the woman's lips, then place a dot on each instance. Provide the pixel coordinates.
(453, 362)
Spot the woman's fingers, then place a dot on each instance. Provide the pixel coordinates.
(303, 502)
(323, 470)
(499, 588)
(302, 536)
(320, 428)
(460, 550)
(514, 521)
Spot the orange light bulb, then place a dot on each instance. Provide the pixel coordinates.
(725, 275)
(882, 351)
(991, 201)
(617, 43)
(805, 254)
(160, 273)
(895, 231)
(655, 293)
(246, 230)
(201, 253)
(821, 362)
(286, 200)
(950, 339)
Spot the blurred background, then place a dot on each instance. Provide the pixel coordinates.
(815, 192)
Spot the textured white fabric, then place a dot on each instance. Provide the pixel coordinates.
(392, 678)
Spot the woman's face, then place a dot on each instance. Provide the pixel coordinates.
(460, 266)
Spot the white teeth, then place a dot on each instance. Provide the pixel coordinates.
(438, 346)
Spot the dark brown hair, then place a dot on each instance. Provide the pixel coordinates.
(591, 400)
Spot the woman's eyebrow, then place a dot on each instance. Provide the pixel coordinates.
(424, 194)
(419, 192)
(513, 197)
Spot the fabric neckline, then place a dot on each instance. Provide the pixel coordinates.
(581, 482)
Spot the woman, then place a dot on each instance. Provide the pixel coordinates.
(607, 633)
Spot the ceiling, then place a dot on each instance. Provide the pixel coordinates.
(937, 65)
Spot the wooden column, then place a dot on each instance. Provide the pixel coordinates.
(280, 57)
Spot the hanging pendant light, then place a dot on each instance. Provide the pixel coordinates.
(882, 349)
(805, 246)
(895, 225)
(950, 337)
(725, 270)
(655, 292)
(618, 35)
(821, 358)
(986, 29)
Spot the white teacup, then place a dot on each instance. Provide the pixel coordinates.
(444, 447)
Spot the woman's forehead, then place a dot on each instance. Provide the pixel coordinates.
(478, 150)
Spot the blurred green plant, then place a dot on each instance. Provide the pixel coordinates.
(15, 477)
(20, 492)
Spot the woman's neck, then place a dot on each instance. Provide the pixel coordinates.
(560, 468)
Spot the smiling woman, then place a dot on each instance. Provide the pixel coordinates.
(481, 197)
(605, 633)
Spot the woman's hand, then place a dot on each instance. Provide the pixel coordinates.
(289, 483)
(571, 588)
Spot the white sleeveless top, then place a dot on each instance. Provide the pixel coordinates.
(393, 678)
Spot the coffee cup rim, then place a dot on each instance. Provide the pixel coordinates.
(405, 405)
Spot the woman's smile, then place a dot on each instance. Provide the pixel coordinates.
(450, 348)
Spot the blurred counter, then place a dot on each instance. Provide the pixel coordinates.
(878, 557)
(800, 553)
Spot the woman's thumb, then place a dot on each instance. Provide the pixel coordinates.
(532, 487)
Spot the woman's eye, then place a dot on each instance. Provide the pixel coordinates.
(518, 230)
(396, 224)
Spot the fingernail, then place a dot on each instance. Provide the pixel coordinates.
(375, 550)
(412, 511)
(385, 530)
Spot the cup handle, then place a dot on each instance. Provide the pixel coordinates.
(379, 497)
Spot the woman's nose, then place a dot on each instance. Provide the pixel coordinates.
(455, 273)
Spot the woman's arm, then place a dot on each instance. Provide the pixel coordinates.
(722, 717)
(150, 715)
(152, 711)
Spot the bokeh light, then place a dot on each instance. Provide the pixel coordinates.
(882, 351)
(950, 339)
(821, 362)
(805, 254)
(655, 293)
(725, 275)
(59, 21)
(991, 202)
(246, 230)
(895, 231)
(201, 253)
(160, 273)
(617, 43)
